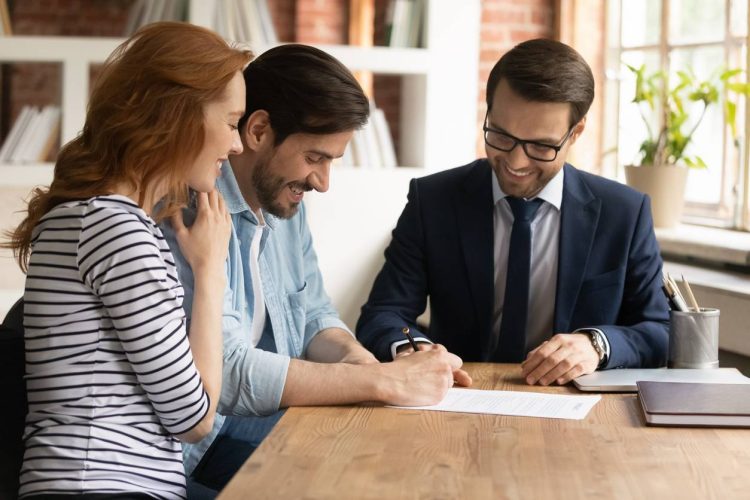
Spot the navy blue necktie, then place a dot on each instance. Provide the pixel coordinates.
(511, 347)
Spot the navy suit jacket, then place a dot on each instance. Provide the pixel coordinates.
(609, 268)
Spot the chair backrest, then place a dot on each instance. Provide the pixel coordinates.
(12, 387)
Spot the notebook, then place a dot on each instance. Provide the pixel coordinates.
(695, 404)
(624, 379)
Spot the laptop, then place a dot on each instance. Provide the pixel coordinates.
(624, 379)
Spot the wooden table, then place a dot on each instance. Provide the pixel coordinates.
(383, 453)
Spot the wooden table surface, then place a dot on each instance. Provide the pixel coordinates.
(383, 453)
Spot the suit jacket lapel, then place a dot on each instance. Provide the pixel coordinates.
(475, 227)
(579, 219)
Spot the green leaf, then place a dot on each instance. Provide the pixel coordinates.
(727, 74)
(739, 88)
(730, 109)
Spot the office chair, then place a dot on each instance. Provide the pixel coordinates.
(13, 391)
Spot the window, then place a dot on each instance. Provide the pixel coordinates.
(677, 35)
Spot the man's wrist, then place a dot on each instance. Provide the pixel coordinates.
(404, 343)
(599, 342)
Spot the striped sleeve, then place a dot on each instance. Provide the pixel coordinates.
(120, 259)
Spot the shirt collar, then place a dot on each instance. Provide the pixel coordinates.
(551, 193)
(230, 190)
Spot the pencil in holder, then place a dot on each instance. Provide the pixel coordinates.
(694, 338)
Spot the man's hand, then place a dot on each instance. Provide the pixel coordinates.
(460, 376)
(421, 378)
(560, 359)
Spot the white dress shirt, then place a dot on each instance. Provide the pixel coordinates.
(545, 235)
(259, 304)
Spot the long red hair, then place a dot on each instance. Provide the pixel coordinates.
(144, 122)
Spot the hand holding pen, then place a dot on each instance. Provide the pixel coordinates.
(460, 377)
(407, 332)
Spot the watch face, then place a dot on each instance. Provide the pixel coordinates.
(596, 340)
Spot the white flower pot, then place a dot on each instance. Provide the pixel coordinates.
(665, 184)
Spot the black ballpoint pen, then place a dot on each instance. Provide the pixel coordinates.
(411, 339)
(670, 300)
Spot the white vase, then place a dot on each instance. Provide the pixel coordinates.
(665, 184)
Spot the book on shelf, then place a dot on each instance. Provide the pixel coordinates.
(45, 136)
(360, 153)
(403, 23)
(5, 27)
(414, 34)
(266, 22)
(695, 404)
(144, 12)
(374, 157)
(15, 134)
(27, 137)
(383, 136)
(32, 136)
(247, 21)
(372, 145)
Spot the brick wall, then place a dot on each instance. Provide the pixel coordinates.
(326, 22)
(39, 83)
(322, 21)
(505, 23)
(284, 14)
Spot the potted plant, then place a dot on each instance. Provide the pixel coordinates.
(661, 172)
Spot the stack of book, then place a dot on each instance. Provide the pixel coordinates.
(695, 404)
(372, 146)
(32, 136)
(144, 12)
(245, 21)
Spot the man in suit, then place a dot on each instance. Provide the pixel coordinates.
(579, 292)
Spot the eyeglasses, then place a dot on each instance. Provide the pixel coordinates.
(535, 150)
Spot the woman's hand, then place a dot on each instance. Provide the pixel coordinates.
(205, 243)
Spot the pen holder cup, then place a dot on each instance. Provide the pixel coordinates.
(694, 339)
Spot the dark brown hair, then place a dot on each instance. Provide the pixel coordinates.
(304, 90)
(144, 122)
(545, 71)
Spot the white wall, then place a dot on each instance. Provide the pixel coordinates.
(351, 225)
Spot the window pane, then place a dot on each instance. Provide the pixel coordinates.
(632, 128)
(643, 20)
(704, 186)
(692, 21)
(738, 17)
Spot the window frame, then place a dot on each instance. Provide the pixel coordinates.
(733, 208)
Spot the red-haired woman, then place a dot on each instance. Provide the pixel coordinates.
(113, 383)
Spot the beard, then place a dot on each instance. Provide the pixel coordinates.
(268, 187)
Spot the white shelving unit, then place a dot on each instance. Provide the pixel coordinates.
(76, 55)
(439, 82)
(437, 129)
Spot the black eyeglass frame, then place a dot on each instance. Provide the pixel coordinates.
(523, 143)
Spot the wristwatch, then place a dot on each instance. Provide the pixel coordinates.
(597, 341)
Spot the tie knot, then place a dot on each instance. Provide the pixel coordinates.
(522, 209)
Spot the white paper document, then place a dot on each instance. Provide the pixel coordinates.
(523, 404)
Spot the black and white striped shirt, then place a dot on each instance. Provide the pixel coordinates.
(109, 373)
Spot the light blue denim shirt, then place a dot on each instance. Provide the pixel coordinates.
(297, 305)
